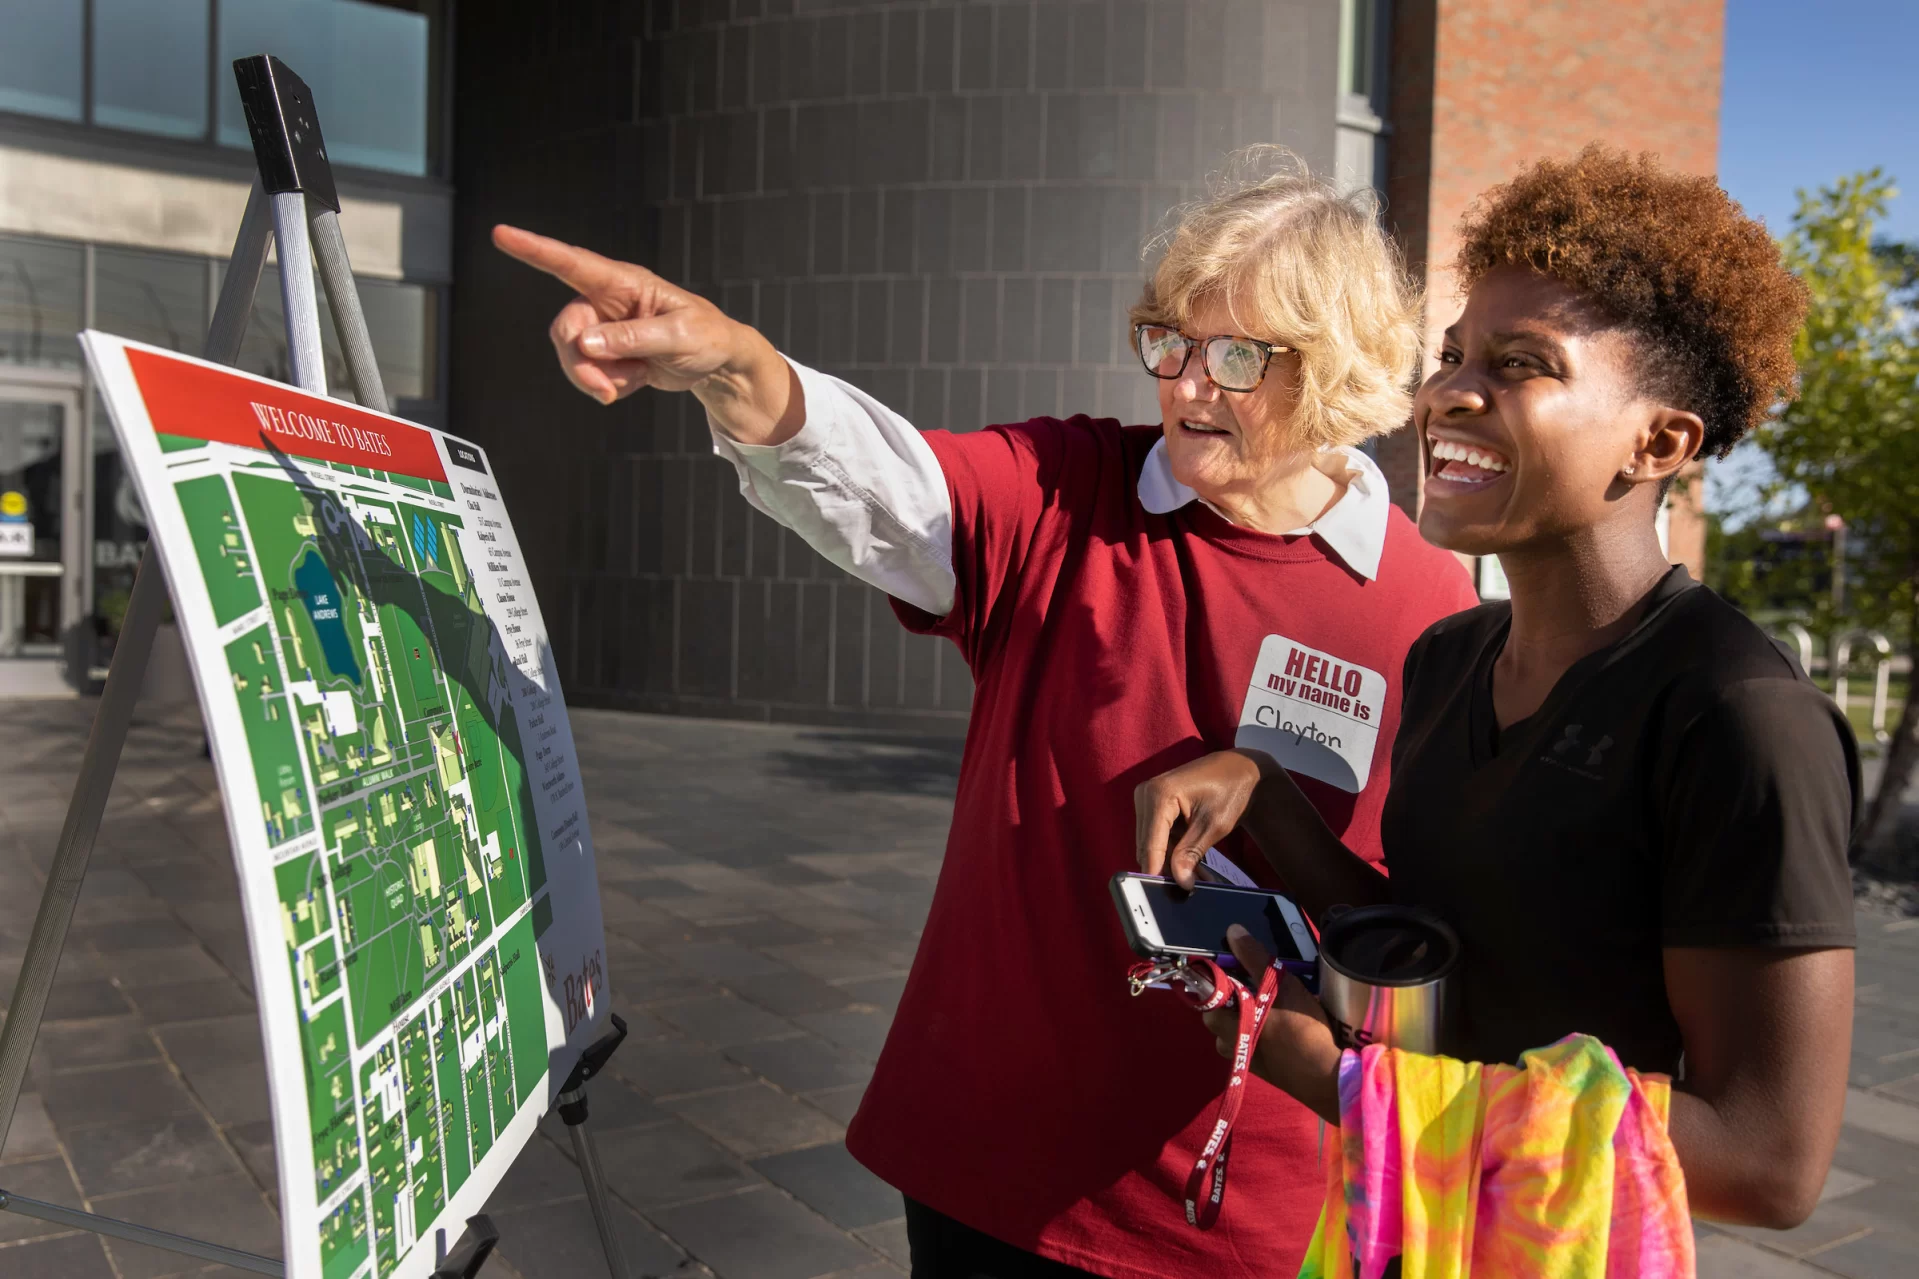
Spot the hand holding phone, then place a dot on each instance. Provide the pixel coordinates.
(1164, 921)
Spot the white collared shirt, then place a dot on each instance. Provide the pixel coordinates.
(862, 488)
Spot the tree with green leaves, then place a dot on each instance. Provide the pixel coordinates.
(1850, 441)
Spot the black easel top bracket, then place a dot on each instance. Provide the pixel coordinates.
(285, 129)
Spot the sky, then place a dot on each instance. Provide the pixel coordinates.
(1815, 89)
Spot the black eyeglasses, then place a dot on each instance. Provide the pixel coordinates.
(1233, 363)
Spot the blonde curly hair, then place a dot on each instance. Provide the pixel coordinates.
(1299, 263)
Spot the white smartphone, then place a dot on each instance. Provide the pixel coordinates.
(1161, 919)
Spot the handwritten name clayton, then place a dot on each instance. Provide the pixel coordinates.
(304, 426)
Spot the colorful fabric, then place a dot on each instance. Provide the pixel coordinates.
(1557, 1168)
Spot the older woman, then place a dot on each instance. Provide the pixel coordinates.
(1632, 805)
(1127, 598)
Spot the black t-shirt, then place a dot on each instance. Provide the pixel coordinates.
(1686, 786)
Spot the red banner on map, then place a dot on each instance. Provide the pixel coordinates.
(212, 404)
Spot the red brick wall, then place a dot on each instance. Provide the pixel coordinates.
(1483, 87)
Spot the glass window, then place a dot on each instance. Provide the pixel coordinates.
(366, 64)
(40, 57)
(151, 297)
(263, 349)
(1356, 47)
(41, 286)
(150, 66)
(399, 320)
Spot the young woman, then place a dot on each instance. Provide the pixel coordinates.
(1630, 804)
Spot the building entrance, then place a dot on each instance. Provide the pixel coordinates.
(41, 563)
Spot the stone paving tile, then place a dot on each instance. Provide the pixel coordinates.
(133, 934)
(222, 1210)
(722, 961)
(560, 1241)
(67, 1257)
(137, 1156)
(889, 1238)
(92, 1041)
(541, 1175)
(788, 993)
(861, 1028)
(670, 1067)
(762, 1234)
(83, 997)
(833, 1184)
(46, 1179)
(668, 1163)
(254, 1142)
(840, 959)
(234, 1094)
(114, 1095)
(841, 1103)
(1725, 1257)
(721, 1020)
(1886, 1253)
(801, 1063)
(32, 1132)
(191, 1001)
(755, 1120)
(882, 992)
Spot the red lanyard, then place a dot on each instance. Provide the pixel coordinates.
(1253, 1007)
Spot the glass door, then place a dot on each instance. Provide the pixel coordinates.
(40, 564)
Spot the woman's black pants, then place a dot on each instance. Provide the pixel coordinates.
(944, 1249)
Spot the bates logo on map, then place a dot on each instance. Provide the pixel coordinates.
(1315, 713)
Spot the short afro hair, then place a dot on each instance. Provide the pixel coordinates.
(1672, 259)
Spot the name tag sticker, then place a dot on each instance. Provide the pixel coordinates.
(1315, 713)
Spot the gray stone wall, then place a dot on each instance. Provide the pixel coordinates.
(943, 203)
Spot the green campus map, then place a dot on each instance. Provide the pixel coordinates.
(374, 692)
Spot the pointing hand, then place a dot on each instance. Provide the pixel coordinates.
(628, 328)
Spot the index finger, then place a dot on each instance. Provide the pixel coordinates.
(583, 269)
(1153, 818)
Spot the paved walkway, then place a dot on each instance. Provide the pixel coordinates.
(763, 890)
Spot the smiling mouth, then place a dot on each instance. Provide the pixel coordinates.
(1465, 466)
(1202, 428)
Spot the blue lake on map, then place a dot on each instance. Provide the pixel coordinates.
(322, 594)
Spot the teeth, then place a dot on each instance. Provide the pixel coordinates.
(1452, 451)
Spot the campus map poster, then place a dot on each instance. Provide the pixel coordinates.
(400, 788)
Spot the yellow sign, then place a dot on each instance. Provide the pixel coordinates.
(13, 504)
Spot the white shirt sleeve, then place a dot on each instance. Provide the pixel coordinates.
(861, 487)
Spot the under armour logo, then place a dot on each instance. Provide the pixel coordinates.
(1570, 744)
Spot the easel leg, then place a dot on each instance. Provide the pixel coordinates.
(597, 1198)
(116, 1229)
(343, 300)
(571, 1105)
(69, 869)
(297, 300)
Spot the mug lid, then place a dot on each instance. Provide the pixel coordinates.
(1390, 945)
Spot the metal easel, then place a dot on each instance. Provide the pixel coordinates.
(295, 204)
